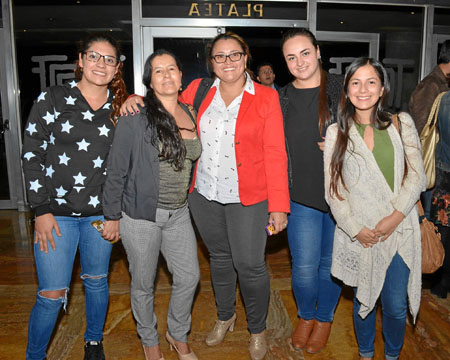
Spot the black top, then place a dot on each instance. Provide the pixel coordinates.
(302, 134)
(65, 147)
(300, 114)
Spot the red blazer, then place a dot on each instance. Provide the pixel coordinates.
(259, 145)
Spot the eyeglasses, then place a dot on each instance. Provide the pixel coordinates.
(221, 58)
(95, 57)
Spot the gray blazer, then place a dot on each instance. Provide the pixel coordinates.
(132, 182)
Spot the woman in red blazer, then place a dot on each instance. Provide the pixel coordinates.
(240, 185)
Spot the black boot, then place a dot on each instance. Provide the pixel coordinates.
(93, 350)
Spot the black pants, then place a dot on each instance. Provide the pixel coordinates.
(236, 240)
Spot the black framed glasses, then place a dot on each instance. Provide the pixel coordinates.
(221, 58)
(95, 57)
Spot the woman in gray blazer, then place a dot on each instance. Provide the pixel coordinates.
(149, 169)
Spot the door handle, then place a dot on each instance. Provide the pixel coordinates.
(5, 126)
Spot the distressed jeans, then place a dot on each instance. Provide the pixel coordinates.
(54, 272)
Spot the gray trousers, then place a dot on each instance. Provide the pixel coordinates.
(173, 235)
(236, 240)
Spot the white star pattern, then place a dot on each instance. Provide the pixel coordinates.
(49, 171)
(78, 188)
(97, 162)
(61, 201)
(44, 145)
(52, 139)
(34, 185)
(64, 159)
(103, 130)
(55, 113)
(49, 118)
(60, 192)
(76, 214)
(87, 115)
(31, 128)
(65, 127)
(41, 96)
(83, 145)
(94, 201)
(42, 167)
(28, 155)
(106, 106)
(79, 179)
(70, 100)
(73, 83)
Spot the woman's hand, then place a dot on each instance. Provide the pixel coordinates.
(279, 220)
(43, 231)
(387, 225)
(131, 105)
(111, 231)
(367, 237)
(321, 144)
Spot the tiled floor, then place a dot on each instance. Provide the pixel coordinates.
(429, 339)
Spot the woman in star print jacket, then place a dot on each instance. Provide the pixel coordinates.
(66, 142)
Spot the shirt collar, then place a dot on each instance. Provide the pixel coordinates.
(249, 86)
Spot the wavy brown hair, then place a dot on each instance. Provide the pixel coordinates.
(324, 106)
(117, 85)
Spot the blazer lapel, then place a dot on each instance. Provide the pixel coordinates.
(247, 100)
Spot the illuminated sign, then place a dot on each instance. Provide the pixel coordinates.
(226, 10)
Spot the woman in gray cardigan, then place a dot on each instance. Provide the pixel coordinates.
(373, 178)
(149, 167)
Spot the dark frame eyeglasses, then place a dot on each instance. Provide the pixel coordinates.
(221, 58)
(94, 56)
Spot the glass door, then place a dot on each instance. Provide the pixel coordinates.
(187, 43)
(6, 181)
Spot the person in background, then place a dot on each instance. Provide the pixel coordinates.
(309, 105)
(266, 75)
(373, 178)
(440, 204)
(66, 141)
(422, 99)
(149, 169)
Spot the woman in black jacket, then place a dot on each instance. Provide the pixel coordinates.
(308, 104)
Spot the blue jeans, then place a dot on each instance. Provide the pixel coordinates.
(311, 235)
(394, 305)
(54, 271)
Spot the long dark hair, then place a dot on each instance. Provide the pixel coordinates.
(165, 130)
(117, 85)
(229, 36)
(324, 106)
(379, 117)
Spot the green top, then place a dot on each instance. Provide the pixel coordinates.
(383, 151)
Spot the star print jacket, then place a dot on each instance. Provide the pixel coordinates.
(64, 154)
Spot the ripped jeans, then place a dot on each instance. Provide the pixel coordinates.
(54, 272)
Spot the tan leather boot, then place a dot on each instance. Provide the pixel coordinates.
(301, 334)
(319, 337)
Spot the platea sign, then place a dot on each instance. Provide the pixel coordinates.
(226, 10)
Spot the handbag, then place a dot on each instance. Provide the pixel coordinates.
(433, 252)
(429, 138)
(432, 249)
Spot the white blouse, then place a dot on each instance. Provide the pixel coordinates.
(217, 177)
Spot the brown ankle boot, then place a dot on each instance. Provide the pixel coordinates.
(301, 334)
(319, 337)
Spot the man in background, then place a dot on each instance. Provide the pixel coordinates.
(266, 75)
